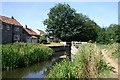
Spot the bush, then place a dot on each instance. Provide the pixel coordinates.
(24, 54)
(43, 38)
(90, 41)
(64, 69)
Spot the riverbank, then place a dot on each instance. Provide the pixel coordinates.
(88, 63)
(38, 70)
(110, 53)
(20, 55)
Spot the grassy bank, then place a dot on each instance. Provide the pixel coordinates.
(24, 54)
(87, 64)
(113, 49)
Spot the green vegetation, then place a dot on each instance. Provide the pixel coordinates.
(24, 54)
(87, 64)
(43, 38)
(65, 23)
(109, 34)
(68, 25)
(113, 49)
(61, 70)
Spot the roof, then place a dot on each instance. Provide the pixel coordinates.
(9, 20)
(30, 31)
(41, 32)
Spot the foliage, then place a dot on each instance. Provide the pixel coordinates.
(113, 49)
(102, 36)
(113, 33)
(43, 38)
(103, 68)
(87, 64)
(24, 54)
(64, 69)
(67, 25)
(109, 34)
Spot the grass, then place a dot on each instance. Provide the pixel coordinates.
(87, 64)
(24, 54)
(112, 49)
(61, 70)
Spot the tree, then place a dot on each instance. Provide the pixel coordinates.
(102, 36)
(67, 25)
(60, 21)
(109, 34)
(43, 38)
(113, 33)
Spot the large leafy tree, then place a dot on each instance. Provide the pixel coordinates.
(102, 36)
(109, 34)
(60, 21)
(64, 23)
(113, 33)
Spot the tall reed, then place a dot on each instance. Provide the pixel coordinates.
(24, 54)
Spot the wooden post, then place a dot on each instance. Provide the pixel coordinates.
(68, 51)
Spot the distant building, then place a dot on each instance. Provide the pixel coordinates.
(10, 30)
(29, 35)
(40, 32)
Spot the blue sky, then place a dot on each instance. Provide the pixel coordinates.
(33, 13)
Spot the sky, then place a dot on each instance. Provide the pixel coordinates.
(33, 14)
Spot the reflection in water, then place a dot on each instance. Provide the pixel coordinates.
(26, 72)
(35, 71)
(39, 74)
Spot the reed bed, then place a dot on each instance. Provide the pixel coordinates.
(24, 54)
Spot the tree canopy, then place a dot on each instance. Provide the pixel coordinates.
(109, 34)
(68, 25)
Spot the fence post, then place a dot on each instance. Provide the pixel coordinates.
(68, 51)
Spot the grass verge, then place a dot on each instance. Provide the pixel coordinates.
(87, 64)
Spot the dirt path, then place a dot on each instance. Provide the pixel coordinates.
(110, 61)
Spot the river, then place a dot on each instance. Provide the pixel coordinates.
(36, 71)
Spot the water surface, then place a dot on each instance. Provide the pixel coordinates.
(36, 71)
